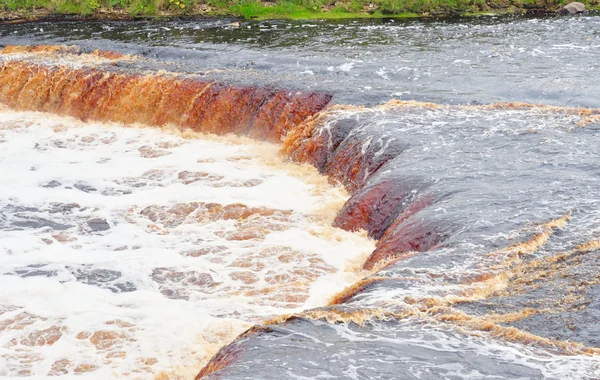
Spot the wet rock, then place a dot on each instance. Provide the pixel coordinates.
(321, 144)
(63, 208)
(196, 212)
(390, 345)
(190, 177)
(98, 224)
(103, 278)
(34, 222)
(407, 234)
(35, 270)
(83, 368)
(573, 8)
(45, 337)
(60, 367)
(204, 251)
(96, 275)
(246, 277)
(39, 147)
(170, 217)
(231, 353)
(86, 93)
(115, 193)
(84, 187)
(358, 158)
(59, 144)
(51, 184)
(147, 151)
(377, 205)
(122, 287)
(176, 284)
(64, 237)
(407, 237)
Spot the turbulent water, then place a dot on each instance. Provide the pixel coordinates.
(128, 251)
(451, 237)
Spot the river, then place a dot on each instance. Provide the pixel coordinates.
(391, 199)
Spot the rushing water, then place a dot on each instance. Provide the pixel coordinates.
(137, 252)
(131, 251)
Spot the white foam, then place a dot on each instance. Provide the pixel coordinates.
(174, 320)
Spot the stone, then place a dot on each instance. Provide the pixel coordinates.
(35, 270)
(84, 187)
(147, 151)
(98, 224)
(34, 222)
(103, 278)
(52, 184)
(573, 8)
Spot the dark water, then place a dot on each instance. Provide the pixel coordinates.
(548, 61)
(304, 349)
(495, 175)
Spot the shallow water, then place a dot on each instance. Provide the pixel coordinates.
(405, 350)
(475, 280)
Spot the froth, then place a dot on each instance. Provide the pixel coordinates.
(134, 253)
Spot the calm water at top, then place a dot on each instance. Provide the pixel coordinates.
(549, 61)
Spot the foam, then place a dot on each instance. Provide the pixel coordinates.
(199, 281)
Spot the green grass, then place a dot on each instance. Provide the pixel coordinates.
(290, 9)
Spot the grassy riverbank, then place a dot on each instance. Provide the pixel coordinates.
(256, 9)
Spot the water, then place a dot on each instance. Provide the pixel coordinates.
(407, 350)
(485, 263)
(547, 61)
(116, 263)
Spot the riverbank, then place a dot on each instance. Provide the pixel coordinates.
(29, 10)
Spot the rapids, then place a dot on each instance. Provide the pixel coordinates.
(130, 251)
(449, 233)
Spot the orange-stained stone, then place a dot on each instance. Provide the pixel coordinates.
(374, 207)
(85, 367)
(116, 354)
(229, 353)
(64, 237)
(407, 235)
(246, 277)
(92, 94)
(120, 323)
(45, 337)
(106, 339)
(60, 367)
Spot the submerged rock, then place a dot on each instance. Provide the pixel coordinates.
(84, 187)
(35, 270)
(52, 184)
(103, 278)
(98, 224)
(573, 8)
